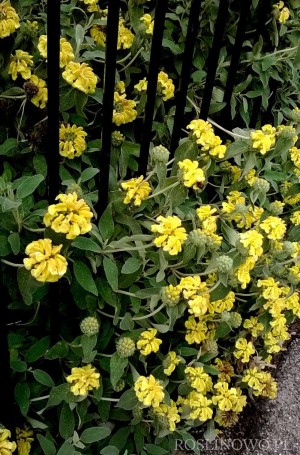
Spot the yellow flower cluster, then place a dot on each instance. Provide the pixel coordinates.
(261, 383)
(80, 76)
(124, 109)
(148, 23)
(264, 139)
(199, 406)
(196, 330)
(20, 64)
(228, 398)
(71, 141)
(243, 350)
(147, 342)
(226, 370)
(203, 133)
(196, 293)
(83, 379)
(149, 391)
(44, 261)
(70, 216)
(198, 379)
(191, 174)
(171, 235)
(66, 50)
(125, 36)
(165, 86)
(136, 190)
(24, 440)
(274, 227)
(98, 34)
(39, 90)
(282, 13)
(9, 19)
(225, 304)
(252, 240)
(170, 362)
(168, 413)
(6, 446)
(254, 326)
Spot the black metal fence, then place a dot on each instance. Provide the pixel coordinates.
(53, 181)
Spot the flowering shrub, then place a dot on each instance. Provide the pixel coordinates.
(164, 314)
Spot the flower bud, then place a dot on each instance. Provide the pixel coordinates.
(117, 138)
(119, 386)
(235, 320)
(224, 264)
(197, 237)
(125, 347)
(210, 346)
(74, 188)
(170, 295)
(160, 154)
(89, 326)
(262, 186)
(276, 208)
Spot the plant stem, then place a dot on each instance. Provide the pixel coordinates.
(163, 190)
(11, 263)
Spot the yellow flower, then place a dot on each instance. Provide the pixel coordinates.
(40, 98)
(170, 362)
(243, 272)
(274, 227)
(254, 326)
(198, 379)
(136, 190)
(171, 234)
(9, 19)
(83, 379)
(98, 34)
(125, 36)
(204, 135)
(191, 174)
(243, 350)
(24, 440)
(271, 289)
(120, 87)
(141, 85)
(148, 342)
(168, 412)
(70, 216)
(228, 399)
(124, 109)
(233, 199)
(205, 211)
(295, 218)
(20, 63)
(165, 86)
(282, 13)
(71, 141)
(6, 447)
(80, 76)
(149, 391)
(45, 262)
(196, 331)
(252, 240)
(260, 382)
(226, 304)
(66, 50)
(148, 22)
(194, 291)
(199, 406)
(295, 156)
(264, 139)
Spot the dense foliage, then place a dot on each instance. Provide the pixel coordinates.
(163, 315)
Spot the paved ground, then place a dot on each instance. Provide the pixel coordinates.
(269, 427)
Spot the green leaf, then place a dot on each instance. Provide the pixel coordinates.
(88, 174)
(187, 352)
(47, 446)
(9, 147)
(88, 344)
(95, 434)
(40, 165)
(155, 450)
(18, 365)
(59, 394)
(111, 272)
(43, 378)
(84, 243)
(22, 395)
(211, 370)
(28, 186)
(66, 422)
(27, 284)
(4, 246)
(119, 439)
(131, 265)
(117, 367)
(172, 46)
(85, 278)
(222, 330)
(58, 351)
(14, 241)
(128, 400)
(37, 350)
(66, 449)
(110, 450)
(106, 223)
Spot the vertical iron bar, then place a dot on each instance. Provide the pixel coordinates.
(6, 401)
(108, 101)
(158, 32)
(192, 32)
(213, 58)
(235, 59)
(53, 49)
